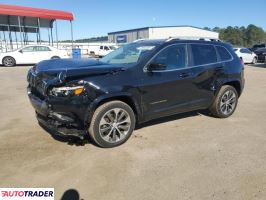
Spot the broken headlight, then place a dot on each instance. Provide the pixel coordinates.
(67, 91)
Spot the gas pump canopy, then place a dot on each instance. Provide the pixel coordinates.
(14, 19)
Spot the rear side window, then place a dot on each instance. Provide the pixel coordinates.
(28, 49)
(243, 50)
(42, 48)
(203, 54)
(223, 53)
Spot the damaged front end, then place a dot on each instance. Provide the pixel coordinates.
(58, 107)
(62, 92)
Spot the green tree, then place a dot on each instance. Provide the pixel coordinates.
(242, 36)
(254, 35)
(232, 35)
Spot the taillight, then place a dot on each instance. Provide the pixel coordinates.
(242, 62)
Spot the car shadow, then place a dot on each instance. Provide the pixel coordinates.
(261, 65)
(76, 141)
(172, 118)
(70, 140)
(71, 194)
(21, 65)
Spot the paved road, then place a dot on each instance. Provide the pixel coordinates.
(190, 156)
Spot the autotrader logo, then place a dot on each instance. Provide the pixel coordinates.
(26, 193)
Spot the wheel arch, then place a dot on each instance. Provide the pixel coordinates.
(236, 85)
(126, 98)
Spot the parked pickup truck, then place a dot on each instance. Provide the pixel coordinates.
(101, 50)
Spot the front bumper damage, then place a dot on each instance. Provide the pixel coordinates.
(56, 121)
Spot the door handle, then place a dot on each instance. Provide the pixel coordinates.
(219, 68)
(185, 74)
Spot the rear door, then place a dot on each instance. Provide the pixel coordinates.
(246, 55)
(101, 51)
(42, 53)
(205, 68)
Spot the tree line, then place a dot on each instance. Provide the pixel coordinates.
(238, 36)
(241, 36)
(93, 39)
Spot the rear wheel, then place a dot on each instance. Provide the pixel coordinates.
(112, 124)
(254, 61)
(225, 102)
(9, 61)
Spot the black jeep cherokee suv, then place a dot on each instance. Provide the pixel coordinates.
(138, 82)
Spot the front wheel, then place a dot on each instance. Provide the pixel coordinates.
(112, 124)
(9, 61)
(225, 102)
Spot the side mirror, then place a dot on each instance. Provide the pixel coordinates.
(20, 51)
(156, 66)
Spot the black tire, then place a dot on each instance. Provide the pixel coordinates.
(217, 107)
(9, 61)
(100, 113)
(55, 57)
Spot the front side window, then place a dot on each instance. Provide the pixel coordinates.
(223, 53)
(106, 48)
(28, 49)
(129, 54)
(173, 57)
(112, 48)
(203, 54)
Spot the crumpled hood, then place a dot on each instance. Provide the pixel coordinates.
(71, 68)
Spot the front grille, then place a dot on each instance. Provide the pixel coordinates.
(36, 93)
(37, 84)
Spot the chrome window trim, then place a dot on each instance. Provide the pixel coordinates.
(214, 45)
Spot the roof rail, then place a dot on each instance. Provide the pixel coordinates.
(192, 38)
(138, 40)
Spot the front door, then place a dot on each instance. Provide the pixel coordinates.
(170, 90)
(26, 55)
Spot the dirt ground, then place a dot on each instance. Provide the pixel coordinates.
(188, 156)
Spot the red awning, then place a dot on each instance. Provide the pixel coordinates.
(35, 12)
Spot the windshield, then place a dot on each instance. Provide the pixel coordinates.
(128, 54)
(259, 46)
(112, 47)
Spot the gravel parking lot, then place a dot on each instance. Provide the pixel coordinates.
(188, 156)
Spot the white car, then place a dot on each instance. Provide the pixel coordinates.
(246, 55)
(31, 54)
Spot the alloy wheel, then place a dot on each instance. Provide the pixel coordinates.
(8, 62)
(228, 102)
(114, 125)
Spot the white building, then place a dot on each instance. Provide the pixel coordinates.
(161, 32)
